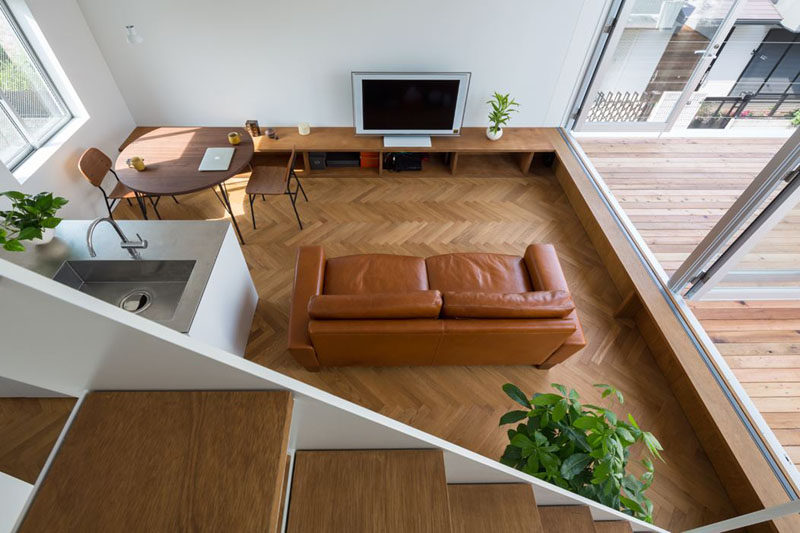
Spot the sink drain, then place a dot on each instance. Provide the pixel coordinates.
(136, 301)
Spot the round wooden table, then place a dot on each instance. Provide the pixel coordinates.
(172, 157)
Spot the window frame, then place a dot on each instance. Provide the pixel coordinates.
(32, 144)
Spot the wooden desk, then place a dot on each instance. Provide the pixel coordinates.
(172, 157)
(523, 141)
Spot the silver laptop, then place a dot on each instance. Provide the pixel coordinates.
(216, 159)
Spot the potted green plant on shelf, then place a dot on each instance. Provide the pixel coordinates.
(582, 448)
(796, 117)
(502, 107)
(31, 218)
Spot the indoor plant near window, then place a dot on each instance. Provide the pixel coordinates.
(502, 107)
(31, 218)
(580, 447)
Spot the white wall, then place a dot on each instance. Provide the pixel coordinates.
(107, 119)
(281, 62)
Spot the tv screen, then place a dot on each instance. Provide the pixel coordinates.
(409, 104)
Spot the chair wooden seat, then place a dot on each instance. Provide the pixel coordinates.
(121, 191)
(94, 165)
(272, 180)
(267, 180)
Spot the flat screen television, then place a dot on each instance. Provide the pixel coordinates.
(409, 104)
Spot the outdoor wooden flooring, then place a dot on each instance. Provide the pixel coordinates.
(489, 207)
(674, 191)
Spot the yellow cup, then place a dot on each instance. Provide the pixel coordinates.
(136, 162)
(234, 138)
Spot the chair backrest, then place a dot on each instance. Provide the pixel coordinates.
(289, 167)
(94, 165)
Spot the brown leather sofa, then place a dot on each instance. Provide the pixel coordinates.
(453, 309)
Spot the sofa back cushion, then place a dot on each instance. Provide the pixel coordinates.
(375, 273)
(539, 304)
(417, 304)
(478, 272)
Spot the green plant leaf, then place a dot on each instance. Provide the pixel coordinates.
(14, 246)
(51, 222)
(585, 422)
(545, 399)
(652, 444)
(14, 195)
(560, 388)
(560, 410)
(522, 441)
(574, 465)
(28, 233)
(512, 416)
(517, 395)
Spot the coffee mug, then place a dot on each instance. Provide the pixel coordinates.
(234, 138)
(136, 162)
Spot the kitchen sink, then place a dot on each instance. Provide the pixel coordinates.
(152, 289)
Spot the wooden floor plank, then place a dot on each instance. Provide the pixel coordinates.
(500, 508)
(613, 527)
(567, 519)
(29, 428)
(363, 491)
(166, 461)
(492, 209)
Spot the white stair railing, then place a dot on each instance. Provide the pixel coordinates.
(749, 519)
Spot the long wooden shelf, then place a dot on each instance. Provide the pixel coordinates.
(523, 141)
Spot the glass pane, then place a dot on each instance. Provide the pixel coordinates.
(24, 89)
(771, 269)
(662, 43)
(12, 144)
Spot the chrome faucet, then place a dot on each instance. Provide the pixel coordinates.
(133, 247)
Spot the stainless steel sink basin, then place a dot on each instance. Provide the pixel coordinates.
(152, 289)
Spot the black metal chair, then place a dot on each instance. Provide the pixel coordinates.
(94, 165)
(273, 180)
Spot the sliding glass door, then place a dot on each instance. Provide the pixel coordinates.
(652, 61)
(753, 252)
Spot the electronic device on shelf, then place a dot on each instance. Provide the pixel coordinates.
(408, 107)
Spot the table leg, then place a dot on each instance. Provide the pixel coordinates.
(525, 163)
(224, 193)
(142, 206)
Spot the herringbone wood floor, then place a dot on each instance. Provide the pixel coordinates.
(495, 209)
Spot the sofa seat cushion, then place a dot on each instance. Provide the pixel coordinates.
(478, 272)
(375, 273)
(539, 304)
(417, 304)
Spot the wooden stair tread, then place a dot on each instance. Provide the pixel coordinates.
(500, 508)
(614, 526)
(161, 461)
(369, 490)
(567, 519)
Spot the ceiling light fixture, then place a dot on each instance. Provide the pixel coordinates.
(132, 36)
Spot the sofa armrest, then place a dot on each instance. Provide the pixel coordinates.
(309, 276)
(545, 271)
(544, 268)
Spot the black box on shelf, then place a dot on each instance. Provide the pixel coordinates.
(317, 160)
(401, 161)
(343, 159)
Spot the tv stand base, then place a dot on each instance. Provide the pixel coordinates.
(407, 141)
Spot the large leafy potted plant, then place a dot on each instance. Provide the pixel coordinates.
(31, 218)
(583, 448)
(502, 107)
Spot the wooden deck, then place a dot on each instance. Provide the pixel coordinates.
(674, 191)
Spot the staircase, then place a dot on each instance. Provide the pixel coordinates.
(406, 490)
(222, 461)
